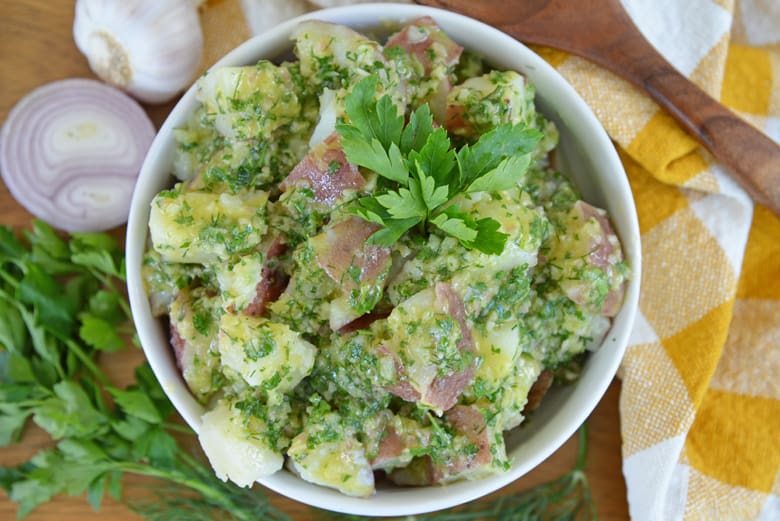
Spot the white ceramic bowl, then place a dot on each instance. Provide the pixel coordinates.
(585, 154)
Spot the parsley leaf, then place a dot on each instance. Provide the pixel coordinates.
(435, 158)
(489, 240)
(372, 155)
(99, 333)
(403, 204)
(375, 120)
(12, 328)
(70, 413)
(503, 177)
(10, 247)
(504, 141)
(40, 290)
(369, 209)
(393, 231)
(456, 225)
(481, 234)
(416, 132)
(432, 194)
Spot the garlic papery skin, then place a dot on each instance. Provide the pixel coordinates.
(150, 48)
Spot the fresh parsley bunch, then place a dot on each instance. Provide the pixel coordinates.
(62, 306)
(422, 173)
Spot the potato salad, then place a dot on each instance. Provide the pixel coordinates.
(370, 267)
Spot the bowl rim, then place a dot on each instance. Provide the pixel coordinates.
(544, 439)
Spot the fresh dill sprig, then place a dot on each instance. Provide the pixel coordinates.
(566, 498)
(172, 502)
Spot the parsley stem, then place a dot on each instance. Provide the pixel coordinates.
(126, 309)
(87, 361)
(9, 279)
(169, 475)
(582, 451)
(108, 282)
(177, 428)
(29, 403)
(38, 337)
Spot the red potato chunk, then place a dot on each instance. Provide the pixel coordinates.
(327, 172)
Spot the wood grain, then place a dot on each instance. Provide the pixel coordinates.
(601, 31)
(36, 47)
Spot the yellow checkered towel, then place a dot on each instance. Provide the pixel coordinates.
(700, 403)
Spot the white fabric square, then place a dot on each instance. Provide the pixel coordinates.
(648, 477)
(759, 21)
(643, 332)
(773, 125)
(771, 509)
(728, 220)
(682, 31)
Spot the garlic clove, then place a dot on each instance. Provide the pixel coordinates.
(150, 48)
(262, 15)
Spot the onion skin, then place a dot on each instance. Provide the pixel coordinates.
(71, 151)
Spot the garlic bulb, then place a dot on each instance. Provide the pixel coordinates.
(150, 48)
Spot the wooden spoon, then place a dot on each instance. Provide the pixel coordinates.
(601, 31)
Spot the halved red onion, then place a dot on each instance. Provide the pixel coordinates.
(70, 153)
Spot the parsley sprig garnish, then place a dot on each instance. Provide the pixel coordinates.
(422, 173)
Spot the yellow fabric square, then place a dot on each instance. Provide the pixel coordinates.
(705, 182)
(552, 56)
(696, 349)
(761, 266)
(747, 82)
(651, 413)
(658, 144)
(709, 73)
(621, 108)
(682, 170)
(712, 500)
(655, 201)
(678, 287)
(735, 440)
(750, 363)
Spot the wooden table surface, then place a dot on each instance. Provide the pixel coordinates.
(36, 47)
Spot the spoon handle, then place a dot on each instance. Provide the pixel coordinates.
(602, 31)
(751, 157)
